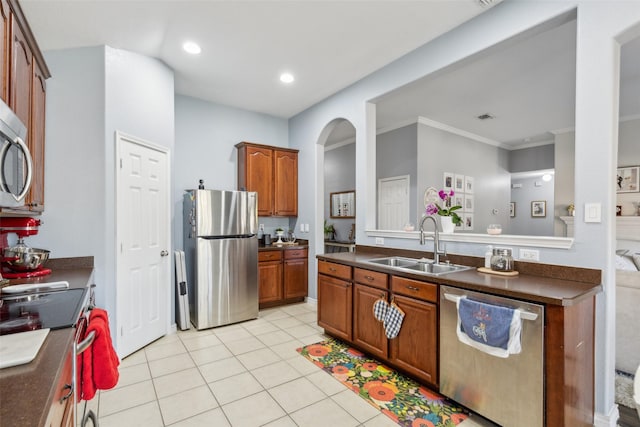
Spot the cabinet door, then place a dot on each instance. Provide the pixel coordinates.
(259, 177)
(334, 306)
(21, 74)
(415, 348)
(295, 278)
(368, 333)
(269, 281)
(286, 183)
(35, 197)
(5, 23)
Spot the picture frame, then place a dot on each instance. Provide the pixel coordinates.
(628, 179)
(458, 200)
(468, 221)
(512, 209)
(538, 209)
(458, 183)
(447, 181)
(468, 203)
(343, 204)
(468, 185)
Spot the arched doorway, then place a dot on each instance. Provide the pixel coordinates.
(339, 182)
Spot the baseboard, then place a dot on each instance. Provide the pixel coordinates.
(312, 301)
(607, 420)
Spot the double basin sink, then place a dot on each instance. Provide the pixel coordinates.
(418, 265)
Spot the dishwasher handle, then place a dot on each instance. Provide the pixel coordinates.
(526, 315)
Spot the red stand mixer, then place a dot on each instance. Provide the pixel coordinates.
(21, 261)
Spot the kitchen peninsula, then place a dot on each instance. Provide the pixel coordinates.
(348, 282)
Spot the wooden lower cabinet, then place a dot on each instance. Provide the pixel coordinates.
(415, 349)
(282, 276)
(335, 306)
(61, 413)
(296, 273)
(270, 281)
(368, 332)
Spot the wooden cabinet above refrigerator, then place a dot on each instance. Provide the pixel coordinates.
(273, 173)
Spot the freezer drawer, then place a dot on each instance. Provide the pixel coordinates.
(508, 391)
(225, 289)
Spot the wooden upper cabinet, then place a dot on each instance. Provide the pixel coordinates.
(35, 196)
(273, 173)
(5, 25)
(21, 74)
(257, 175)
(285, 174)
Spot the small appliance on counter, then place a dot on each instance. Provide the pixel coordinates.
(21, 261)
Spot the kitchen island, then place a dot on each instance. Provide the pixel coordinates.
(348, 285)
(30, 393)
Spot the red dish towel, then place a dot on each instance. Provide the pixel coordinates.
(98, 364)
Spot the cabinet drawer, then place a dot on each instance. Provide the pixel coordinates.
(333, 269)
(414, 288)
(295, 253)
(269, 256)
(371, 278)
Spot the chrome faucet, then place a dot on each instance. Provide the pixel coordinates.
(436, 239)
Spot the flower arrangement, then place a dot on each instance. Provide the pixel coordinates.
(434, 208)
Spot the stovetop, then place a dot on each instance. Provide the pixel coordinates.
(54, 310)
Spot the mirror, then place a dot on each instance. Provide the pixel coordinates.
(495, 117)
(343, 204)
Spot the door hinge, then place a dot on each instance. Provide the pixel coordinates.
(120, 163)
(120, 247)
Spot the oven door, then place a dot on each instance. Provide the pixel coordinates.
(15, 160)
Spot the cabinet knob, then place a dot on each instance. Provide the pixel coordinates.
(413, 288)
(164, 253)
(369, 278)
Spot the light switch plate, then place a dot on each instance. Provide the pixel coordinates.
(592, 212)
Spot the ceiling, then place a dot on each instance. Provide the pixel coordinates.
(527, 84)
(327, 45)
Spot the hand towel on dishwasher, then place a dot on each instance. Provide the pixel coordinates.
(490, 328)
(98, 364)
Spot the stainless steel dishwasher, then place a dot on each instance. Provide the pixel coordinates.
(508, 391)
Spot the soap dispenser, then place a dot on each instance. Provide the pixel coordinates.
(487, 256)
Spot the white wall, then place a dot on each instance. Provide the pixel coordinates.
(206, 134)
(600, 26)
(94, 92)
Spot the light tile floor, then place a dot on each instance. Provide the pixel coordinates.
(242, 375)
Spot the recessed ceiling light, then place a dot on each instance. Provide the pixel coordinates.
(192, 48)
(286, 78)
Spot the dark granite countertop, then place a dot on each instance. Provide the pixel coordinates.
(27, 391)
(538, 283)
(299, 244)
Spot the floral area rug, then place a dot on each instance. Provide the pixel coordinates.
(400, 398)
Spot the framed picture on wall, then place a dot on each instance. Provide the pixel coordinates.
(468, 184)
(468, 221)
(447, 181)
(512, 209)
(458, 183)
(539, 209)
(628, 180)
(468, 203)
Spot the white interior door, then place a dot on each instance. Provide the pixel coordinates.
(393, 202)
(143, 230)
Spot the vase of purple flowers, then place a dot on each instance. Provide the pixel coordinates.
(448, 217)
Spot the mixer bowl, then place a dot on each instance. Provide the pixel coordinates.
(23, 258)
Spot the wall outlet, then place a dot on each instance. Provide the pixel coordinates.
(261, 227)
(306, 228)
(379, 240)
(301, 227)
(529, 254)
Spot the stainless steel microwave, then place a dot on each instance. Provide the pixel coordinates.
(15, 160)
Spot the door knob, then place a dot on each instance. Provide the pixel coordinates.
(164, 253)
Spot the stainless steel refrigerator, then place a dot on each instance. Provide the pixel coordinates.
(221, 251)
